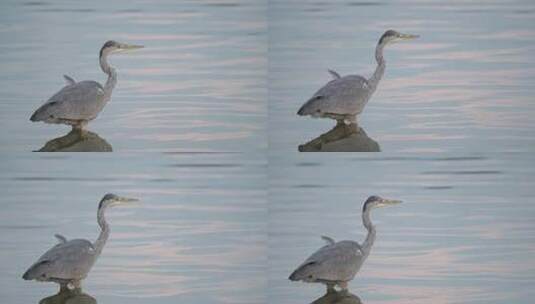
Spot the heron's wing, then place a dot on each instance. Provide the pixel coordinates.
(334, 74)
(60, 238)
(80, 101)
(343, 96)
(70, 260)
(69, 80)
(336, 262)
(330, 241)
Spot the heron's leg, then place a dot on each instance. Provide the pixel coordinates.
(345, 130)
(79, 129)
(350, 119)
(79, 125)
(330, 288)
(75, 284)
(341, 127)
(77, 290)
(63, 287)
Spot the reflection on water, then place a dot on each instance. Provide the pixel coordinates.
(338, 297)
(342, 138)
(68, 296)
(77, 141)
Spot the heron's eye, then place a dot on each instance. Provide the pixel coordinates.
(318, 111)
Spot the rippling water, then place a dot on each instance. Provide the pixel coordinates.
(199, 84)
(465, 85)
(465, 232)
(204, 232)
(198, 235)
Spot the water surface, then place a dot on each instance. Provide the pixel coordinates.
(465, 85)
(465, 232)
(197, 236)
(198, 85)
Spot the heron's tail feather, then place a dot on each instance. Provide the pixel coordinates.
(301, 111)
(26, 275)
(294, 276)
(35, 116)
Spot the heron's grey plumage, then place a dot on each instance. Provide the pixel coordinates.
(77, 103)
(70, 261)
(73, 104)
(338, 262)
(337, 98)
(343, 98)
(65, 262)
(332, 263)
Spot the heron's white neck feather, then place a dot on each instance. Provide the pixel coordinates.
(370, 237)
(112, 76)
(380, 69)
(110, 84)
(105, 230)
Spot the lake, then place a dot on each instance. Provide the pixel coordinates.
(465, 232)
(198, 85)
(204, 122)
(198, 234)
(465, 85)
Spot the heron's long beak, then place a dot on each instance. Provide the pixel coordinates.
(127, 47)
(408, 36)
(387, 202)
(126, 200)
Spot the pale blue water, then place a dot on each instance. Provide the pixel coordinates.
(465, 85)
(465, 232)
(199, 84)
(197, 236)
(211, 227)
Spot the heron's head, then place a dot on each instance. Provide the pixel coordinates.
(392, 36)
(111, 47)
(111, 200)
(375, 201)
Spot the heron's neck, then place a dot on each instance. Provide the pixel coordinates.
(380, 69)
(104, 232)
(112, 76)
(370, 238)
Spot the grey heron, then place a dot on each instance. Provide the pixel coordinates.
(69, 262)
(337, 263)
(79, 102)
(343, 98)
